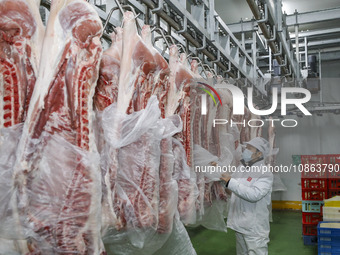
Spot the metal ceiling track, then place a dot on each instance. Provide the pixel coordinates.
(198, 28)
(275, 31)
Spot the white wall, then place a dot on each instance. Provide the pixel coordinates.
(313, 135)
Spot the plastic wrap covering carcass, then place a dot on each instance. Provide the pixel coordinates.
(187, 186)
(215, 212)
(135, 219)
(59, 208)
(10, 242)
(178, 242)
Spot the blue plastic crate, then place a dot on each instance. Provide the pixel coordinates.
(329, 248)
(310, 240)
(328, 253)
(329, 240)
(329, 232)
(312, 206)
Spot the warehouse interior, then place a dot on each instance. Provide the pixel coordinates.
(270, 46)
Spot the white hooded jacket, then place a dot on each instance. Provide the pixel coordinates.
(249, 213)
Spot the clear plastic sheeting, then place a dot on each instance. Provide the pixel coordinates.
(187, 186)
(141, 193)
(179, 241)
(214, 216)
(9, 238)
(64, 210)
(121, 129)
(202, 162)
(10, 247)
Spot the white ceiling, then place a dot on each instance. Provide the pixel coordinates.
(231, 11)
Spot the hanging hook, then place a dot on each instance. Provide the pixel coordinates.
(182, 47)
(229, 68)
(218, 57)
(280, 51)
(171, 39)
(159, 7)
(184, 29)
(119, 7)
(208, 67)
(162, 36)
(203, 46)
(200, 63)
(109, 17)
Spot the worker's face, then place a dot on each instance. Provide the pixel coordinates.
(256, 153)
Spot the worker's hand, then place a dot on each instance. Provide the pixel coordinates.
(225, 177)
(213, 163)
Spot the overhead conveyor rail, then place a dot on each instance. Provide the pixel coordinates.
(197, 26)
(203, 29)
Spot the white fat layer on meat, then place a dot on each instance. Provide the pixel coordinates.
(127, 78)
(37, 39)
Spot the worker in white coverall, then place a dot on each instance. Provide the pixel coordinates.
(251, 187)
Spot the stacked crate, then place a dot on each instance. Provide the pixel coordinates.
(314, 190)
(329, 238)
(334, 175)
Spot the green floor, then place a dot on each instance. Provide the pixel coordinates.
(285, 238)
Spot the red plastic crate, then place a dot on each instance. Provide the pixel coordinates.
(334, 183)
(312, 166)
(334, 158)
(314, 183)
(311, 218)
(310, 229)
(314, 175)
(333, 193)
(334, 166)
(311, 194)
(315, 159)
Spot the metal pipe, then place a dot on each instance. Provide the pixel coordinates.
(306, 53)
(185, 23)
(297, 49)
(280, 51)
(265, 19)
(119, 6)
(203, 46)
(273, 39)
(257, 14)
(320, 77)
(159, 7)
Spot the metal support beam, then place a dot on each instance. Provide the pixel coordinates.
(247, 26)
(241, 61)
(291, 20)
(257, 14)
(319, 43)
(313, 17)
(317, 33)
